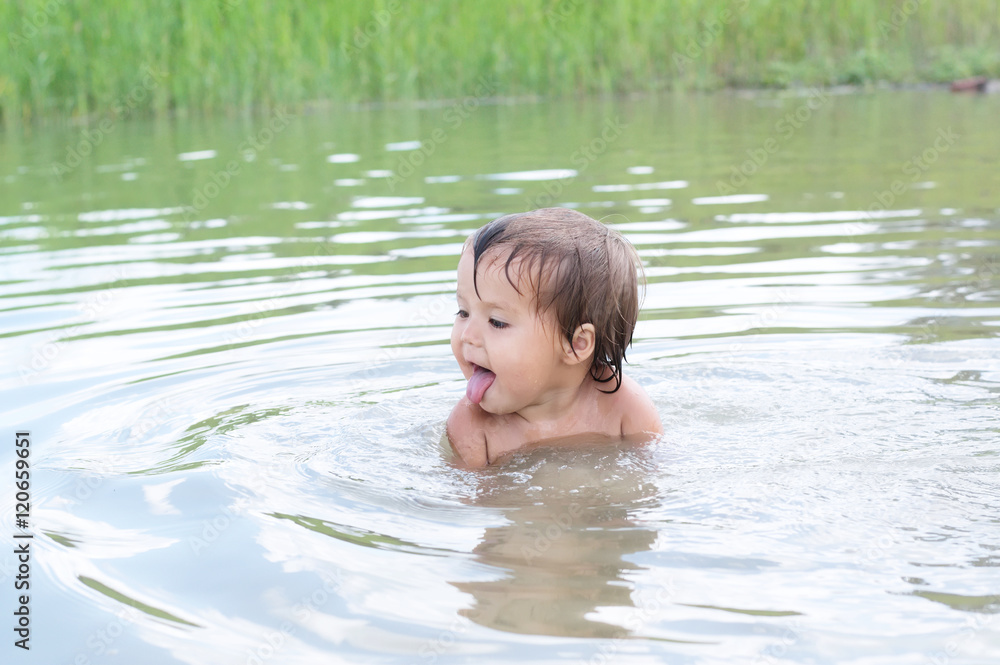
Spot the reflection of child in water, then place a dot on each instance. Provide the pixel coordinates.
(547, 303)
(564, 554)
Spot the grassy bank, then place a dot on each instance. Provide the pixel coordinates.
(85, 57)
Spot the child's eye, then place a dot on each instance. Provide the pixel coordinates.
(462, 314)
(499, 325)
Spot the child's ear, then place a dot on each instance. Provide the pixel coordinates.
(582, 347)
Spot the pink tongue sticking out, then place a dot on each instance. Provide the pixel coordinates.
(479, 382)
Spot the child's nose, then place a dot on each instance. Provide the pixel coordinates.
(471, 334)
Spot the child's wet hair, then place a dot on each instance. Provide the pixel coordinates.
(583, 270)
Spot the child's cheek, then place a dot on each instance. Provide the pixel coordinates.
(456, 348)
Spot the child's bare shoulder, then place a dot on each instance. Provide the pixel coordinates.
(639, 415)
(466, 432)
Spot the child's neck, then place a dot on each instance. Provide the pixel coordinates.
(562, 399)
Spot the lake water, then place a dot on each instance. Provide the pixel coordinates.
(229, 341)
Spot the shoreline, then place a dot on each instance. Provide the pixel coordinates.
(326, 105)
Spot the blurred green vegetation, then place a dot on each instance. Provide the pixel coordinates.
(83, 57)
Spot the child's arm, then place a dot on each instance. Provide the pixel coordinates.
(466, 434)
(639, 416)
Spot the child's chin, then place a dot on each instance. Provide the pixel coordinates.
(487, 405)
(494, 409)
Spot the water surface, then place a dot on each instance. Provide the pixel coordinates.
(229, 339)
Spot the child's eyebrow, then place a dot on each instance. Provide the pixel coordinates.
(494, 305)
(472, 295)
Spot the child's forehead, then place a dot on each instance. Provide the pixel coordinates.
(494, 264)
(492, 274)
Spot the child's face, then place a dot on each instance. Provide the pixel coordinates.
(501, 331)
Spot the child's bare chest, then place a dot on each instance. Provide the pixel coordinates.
(509, 433)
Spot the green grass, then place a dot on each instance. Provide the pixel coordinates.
(84, 57)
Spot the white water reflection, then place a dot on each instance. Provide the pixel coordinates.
(669, 184)
(343, 158)
(730, 199)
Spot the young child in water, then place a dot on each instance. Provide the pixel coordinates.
(547, 301)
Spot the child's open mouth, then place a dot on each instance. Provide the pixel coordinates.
(479, 383)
